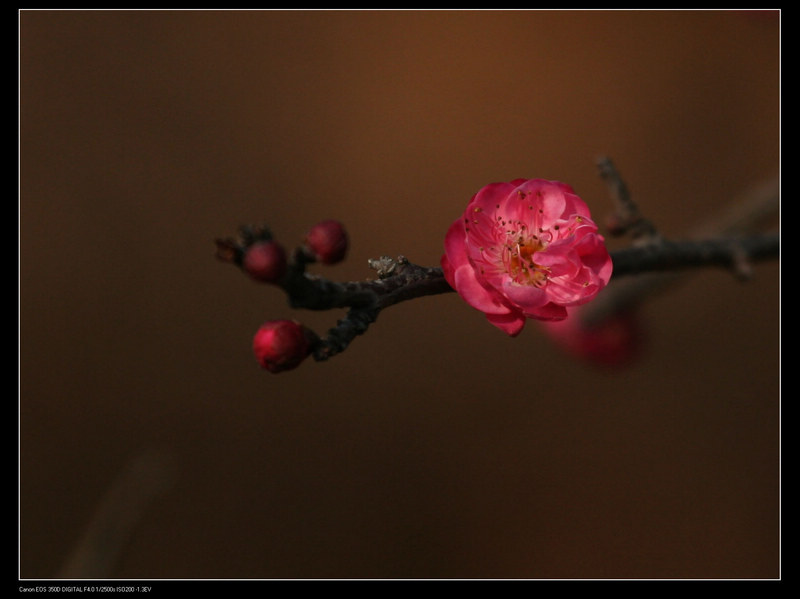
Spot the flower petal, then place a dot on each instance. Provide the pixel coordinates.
(524, 296)
(455, 244)
(476, 295)
(511, 324)
(549, 311)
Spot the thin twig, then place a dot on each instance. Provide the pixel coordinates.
(626, 217)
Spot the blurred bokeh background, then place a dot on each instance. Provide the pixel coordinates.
(435, 446)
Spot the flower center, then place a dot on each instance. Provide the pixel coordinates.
(518, 255)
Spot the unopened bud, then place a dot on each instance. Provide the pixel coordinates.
(265, 261)
(281, 345)
(328, 241)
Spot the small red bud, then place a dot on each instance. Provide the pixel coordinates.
(265, 261)
(281, 345)
(328, 241)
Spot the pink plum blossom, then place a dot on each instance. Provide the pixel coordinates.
(525, 249)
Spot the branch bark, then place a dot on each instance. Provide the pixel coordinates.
(400, 280)
(729, 243)
(732, 252)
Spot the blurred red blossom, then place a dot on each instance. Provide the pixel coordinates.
(615, 341)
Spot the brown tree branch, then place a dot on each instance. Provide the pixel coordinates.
(400, 280)
(654, 260)
(756, 208)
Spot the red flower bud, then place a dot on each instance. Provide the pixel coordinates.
(327, 241)
(265, 261)
(281, 345)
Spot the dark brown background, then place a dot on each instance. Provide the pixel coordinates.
(435, 447)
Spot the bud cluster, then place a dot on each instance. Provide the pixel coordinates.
(281, 345)
(266, 261)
